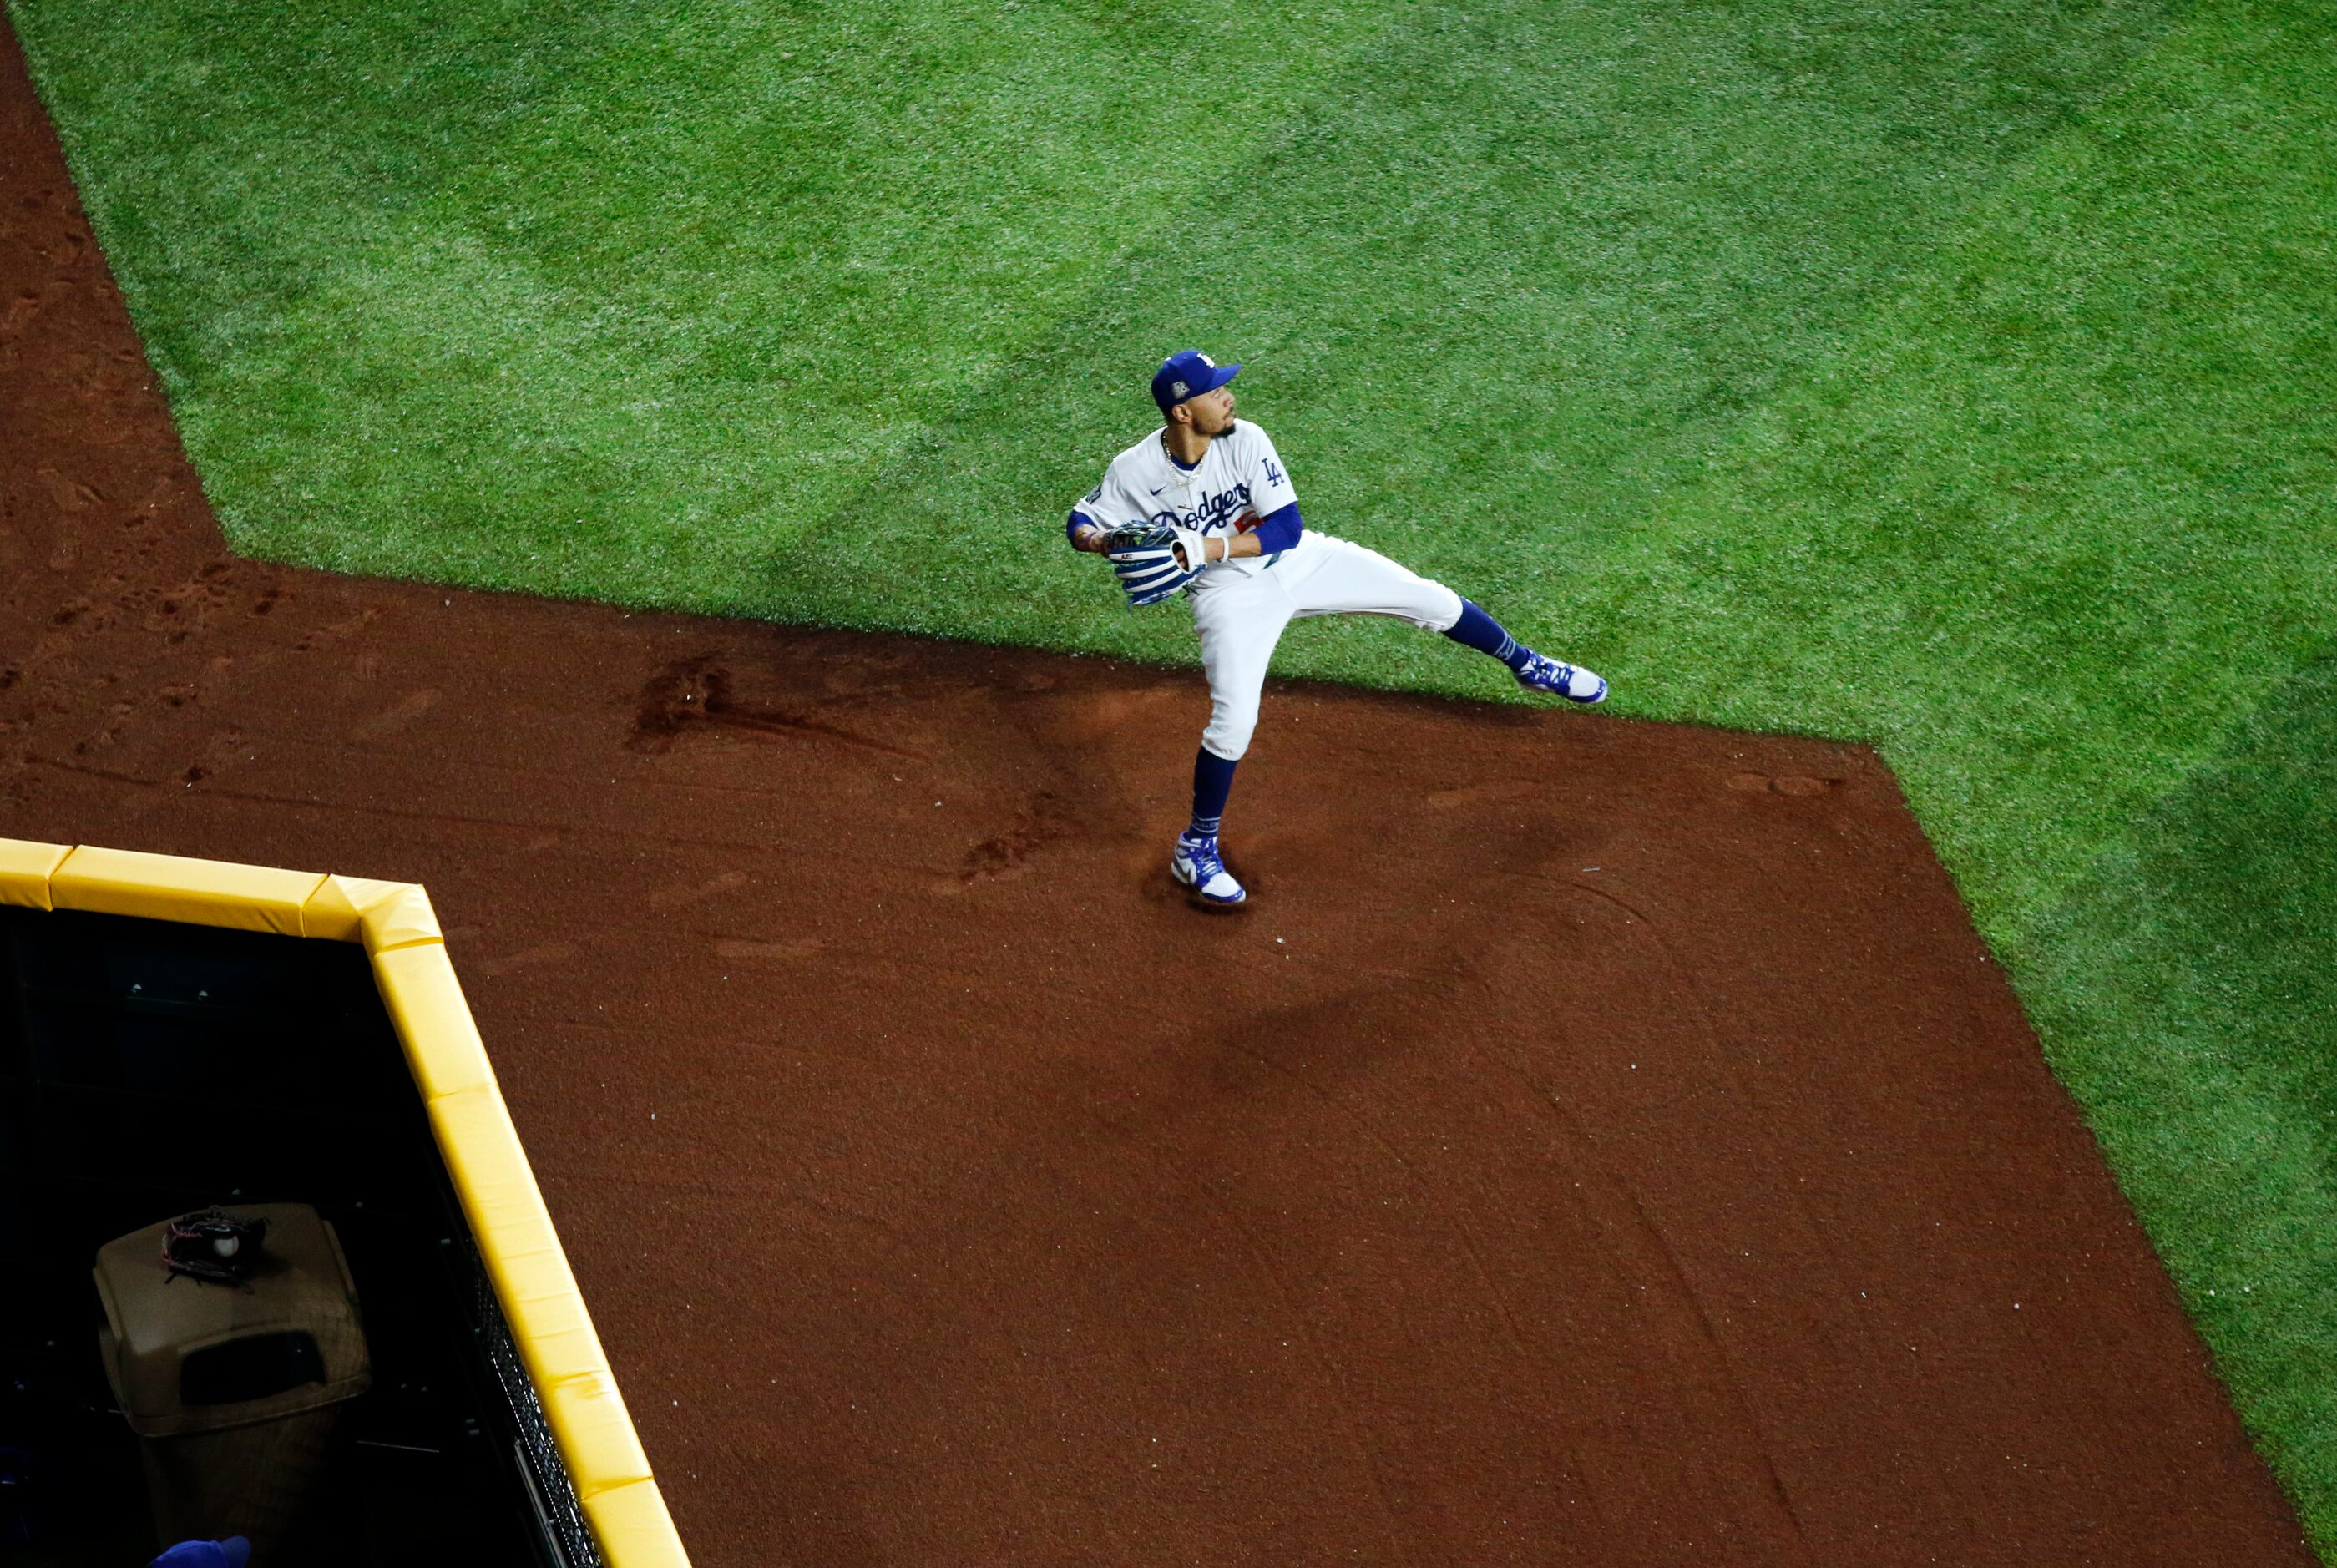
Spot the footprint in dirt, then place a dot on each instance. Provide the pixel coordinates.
(547, 955)
(695, 891)
(1047, 819)
(696, 694)
(794, 950)
(675, 698)
(413, 707)
(66, 493)
(1497, 792)
(1785, 784)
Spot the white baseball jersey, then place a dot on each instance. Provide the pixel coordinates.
(1240, 607)
(1238, 482)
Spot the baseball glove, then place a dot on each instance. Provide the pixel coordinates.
(215, 1247)
(1145, 557)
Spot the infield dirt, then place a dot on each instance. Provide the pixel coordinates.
(1599, 1142)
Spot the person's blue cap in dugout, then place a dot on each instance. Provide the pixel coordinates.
(232, 1553)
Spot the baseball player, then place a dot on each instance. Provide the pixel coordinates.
(1204, 506)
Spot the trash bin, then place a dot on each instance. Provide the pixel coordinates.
(233, 1367)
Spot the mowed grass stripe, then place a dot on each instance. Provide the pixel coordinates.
(2061, 514)
(613, 310)
(1516, 286)
(2185, 989)
(600, 305)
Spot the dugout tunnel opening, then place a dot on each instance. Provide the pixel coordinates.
(149, 1069)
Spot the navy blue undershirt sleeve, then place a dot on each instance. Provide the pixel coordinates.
(1077, 521)
(1280, 530)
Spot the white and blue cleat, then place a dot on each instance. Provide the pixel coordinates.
(1197, 865)
(1559, 678)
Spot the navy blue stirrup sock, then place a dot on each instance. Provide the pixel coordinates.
(1213, 780)
(1477, 630)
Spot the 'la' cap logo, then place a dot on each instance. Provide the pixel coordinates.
(1205, 359)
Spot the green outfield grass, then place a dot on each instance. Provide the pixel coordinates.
(1958, 376)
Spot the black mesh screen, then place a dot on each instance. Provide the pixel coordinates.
(555, 1493)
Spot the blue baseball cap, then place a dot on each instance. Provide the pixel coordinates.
(1188, 373)
(232, 1553)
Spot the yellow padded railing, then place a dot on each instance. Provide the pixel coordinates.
(395, 922)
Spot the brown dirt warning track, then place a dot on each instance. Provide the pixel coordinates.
(1600, 1142)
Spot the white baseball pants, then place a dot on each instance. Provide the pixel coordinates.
(1240, 618)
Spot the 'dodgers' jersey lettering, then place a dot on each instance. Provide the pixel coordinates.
(1239, 480)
